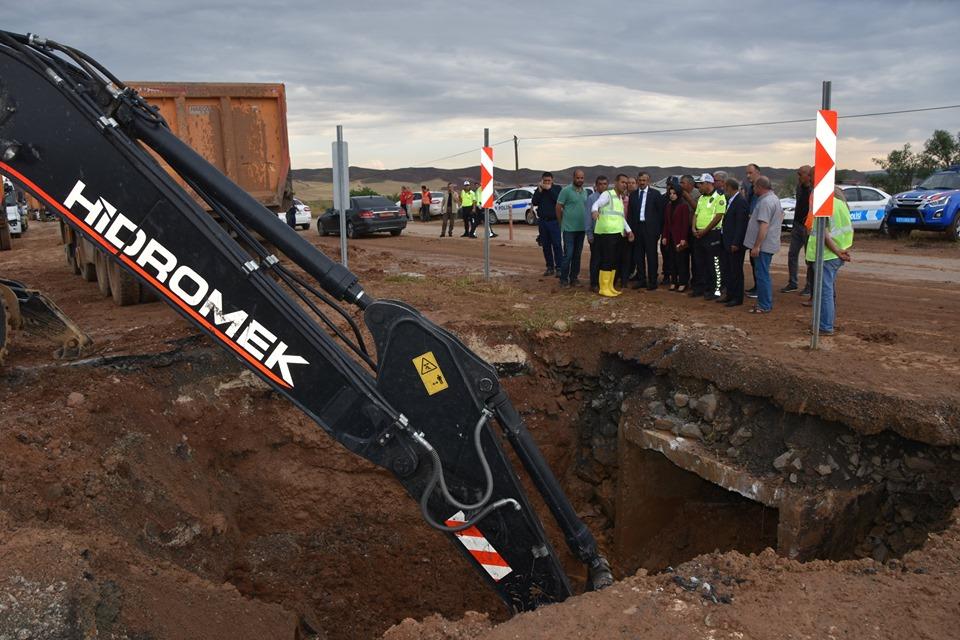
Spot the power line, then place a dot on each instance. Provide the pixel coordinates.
(462, 153)
(611, 134)
(732, 126)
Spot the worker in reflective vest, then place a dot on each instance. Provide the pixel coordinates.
(837, 242)
(608, 233)
(468, 200)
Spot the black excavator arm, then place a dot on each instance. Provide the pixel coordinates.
(423, 407)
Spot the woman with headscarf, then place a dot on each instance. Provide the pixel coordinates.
(676, 238)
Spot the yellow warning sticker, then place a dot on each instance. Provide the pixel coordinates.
(430, 373)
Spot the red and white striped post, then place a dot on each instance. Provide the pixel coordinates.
(824, 175)
(486, 177)
(486, 197)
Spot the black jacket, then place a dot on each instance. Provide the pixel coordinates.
(735, 220)
(653, 214)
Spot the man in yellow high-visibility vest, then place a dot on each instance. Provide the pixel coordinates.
(609, 231)
(468, 200)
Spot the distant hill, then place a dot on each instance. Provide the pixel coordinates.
(435, 177)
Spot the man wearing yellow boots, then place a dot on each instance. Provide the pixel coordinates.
(609, 232)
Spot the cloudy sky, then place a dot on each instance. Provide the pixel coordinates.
(413, 83)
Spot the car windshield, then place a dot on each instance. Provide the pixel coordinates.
(946, 180)
(369, 202)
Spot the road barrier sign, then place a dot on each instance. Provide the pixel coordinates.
(486, 177)
(825, 163)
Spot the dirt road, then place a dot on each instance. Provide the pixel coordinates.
(894, 261)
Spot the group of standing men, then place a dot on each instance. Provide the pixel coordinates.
(703, 227)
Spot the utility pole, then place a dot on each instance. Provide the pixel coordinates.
(820, 224)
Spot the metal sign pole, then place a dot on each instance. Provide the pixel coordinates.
(516, 166)
(341, 189)
(820, 224)
(486, 219)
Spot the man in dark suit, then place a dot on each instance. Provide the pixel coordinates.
(645, 216)
(733, 231)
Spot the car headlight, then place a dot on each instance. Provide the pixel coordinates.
(938, 202)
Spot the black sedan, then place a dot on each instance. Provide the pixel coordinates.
(366, 215)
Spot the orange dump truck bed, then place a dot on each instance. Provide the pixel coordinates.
(239, 128)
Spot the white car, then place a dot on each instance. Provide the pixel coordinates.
(789, 206)
(304, 217)
(436, 199)
(15, 210)
(867, 207)
(515, 203)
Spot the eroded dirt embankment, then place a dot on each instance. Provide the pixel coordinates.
(134, 487)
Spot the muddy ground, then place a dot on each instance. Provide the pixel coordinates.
(155, 490)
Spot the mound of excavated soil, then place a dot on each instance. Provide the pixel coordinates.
(759, 597)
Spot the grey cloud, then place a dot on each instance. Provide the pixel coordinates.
(399, 74)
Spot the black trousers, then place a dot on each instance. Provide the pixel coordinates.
(646, 239)
(466, 214)
(609, 248)
(667, 262)
(706, 256)
(679, 264)
(732, 263)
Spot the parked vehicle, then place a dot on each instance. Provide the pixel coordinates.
(515, 204)
(366, 215)
(15, 210)
(933, 205)
(436, 199)
(867, 207)
(304, 215)
(789, 206)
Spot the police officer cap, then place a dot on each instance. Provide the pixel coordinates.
(705, 178)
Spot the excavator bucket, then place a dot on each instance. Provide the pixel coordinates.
(34, 313)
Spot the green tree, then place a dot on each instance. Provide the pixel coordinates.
(902, 167)
(941, 150)
(363, 191)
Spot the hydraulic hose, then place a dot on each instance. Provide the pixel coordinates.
(437, 478)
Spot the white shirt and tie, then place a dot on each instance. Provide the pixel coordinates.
(643, 204)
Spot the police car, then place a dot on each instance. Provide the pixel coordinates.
(867, 207)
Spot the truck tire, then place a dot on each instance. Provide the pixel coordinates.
(6, 242)
(124, 288)
(70, 251)
(87, 254)
(103, 273)
(87, 270)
